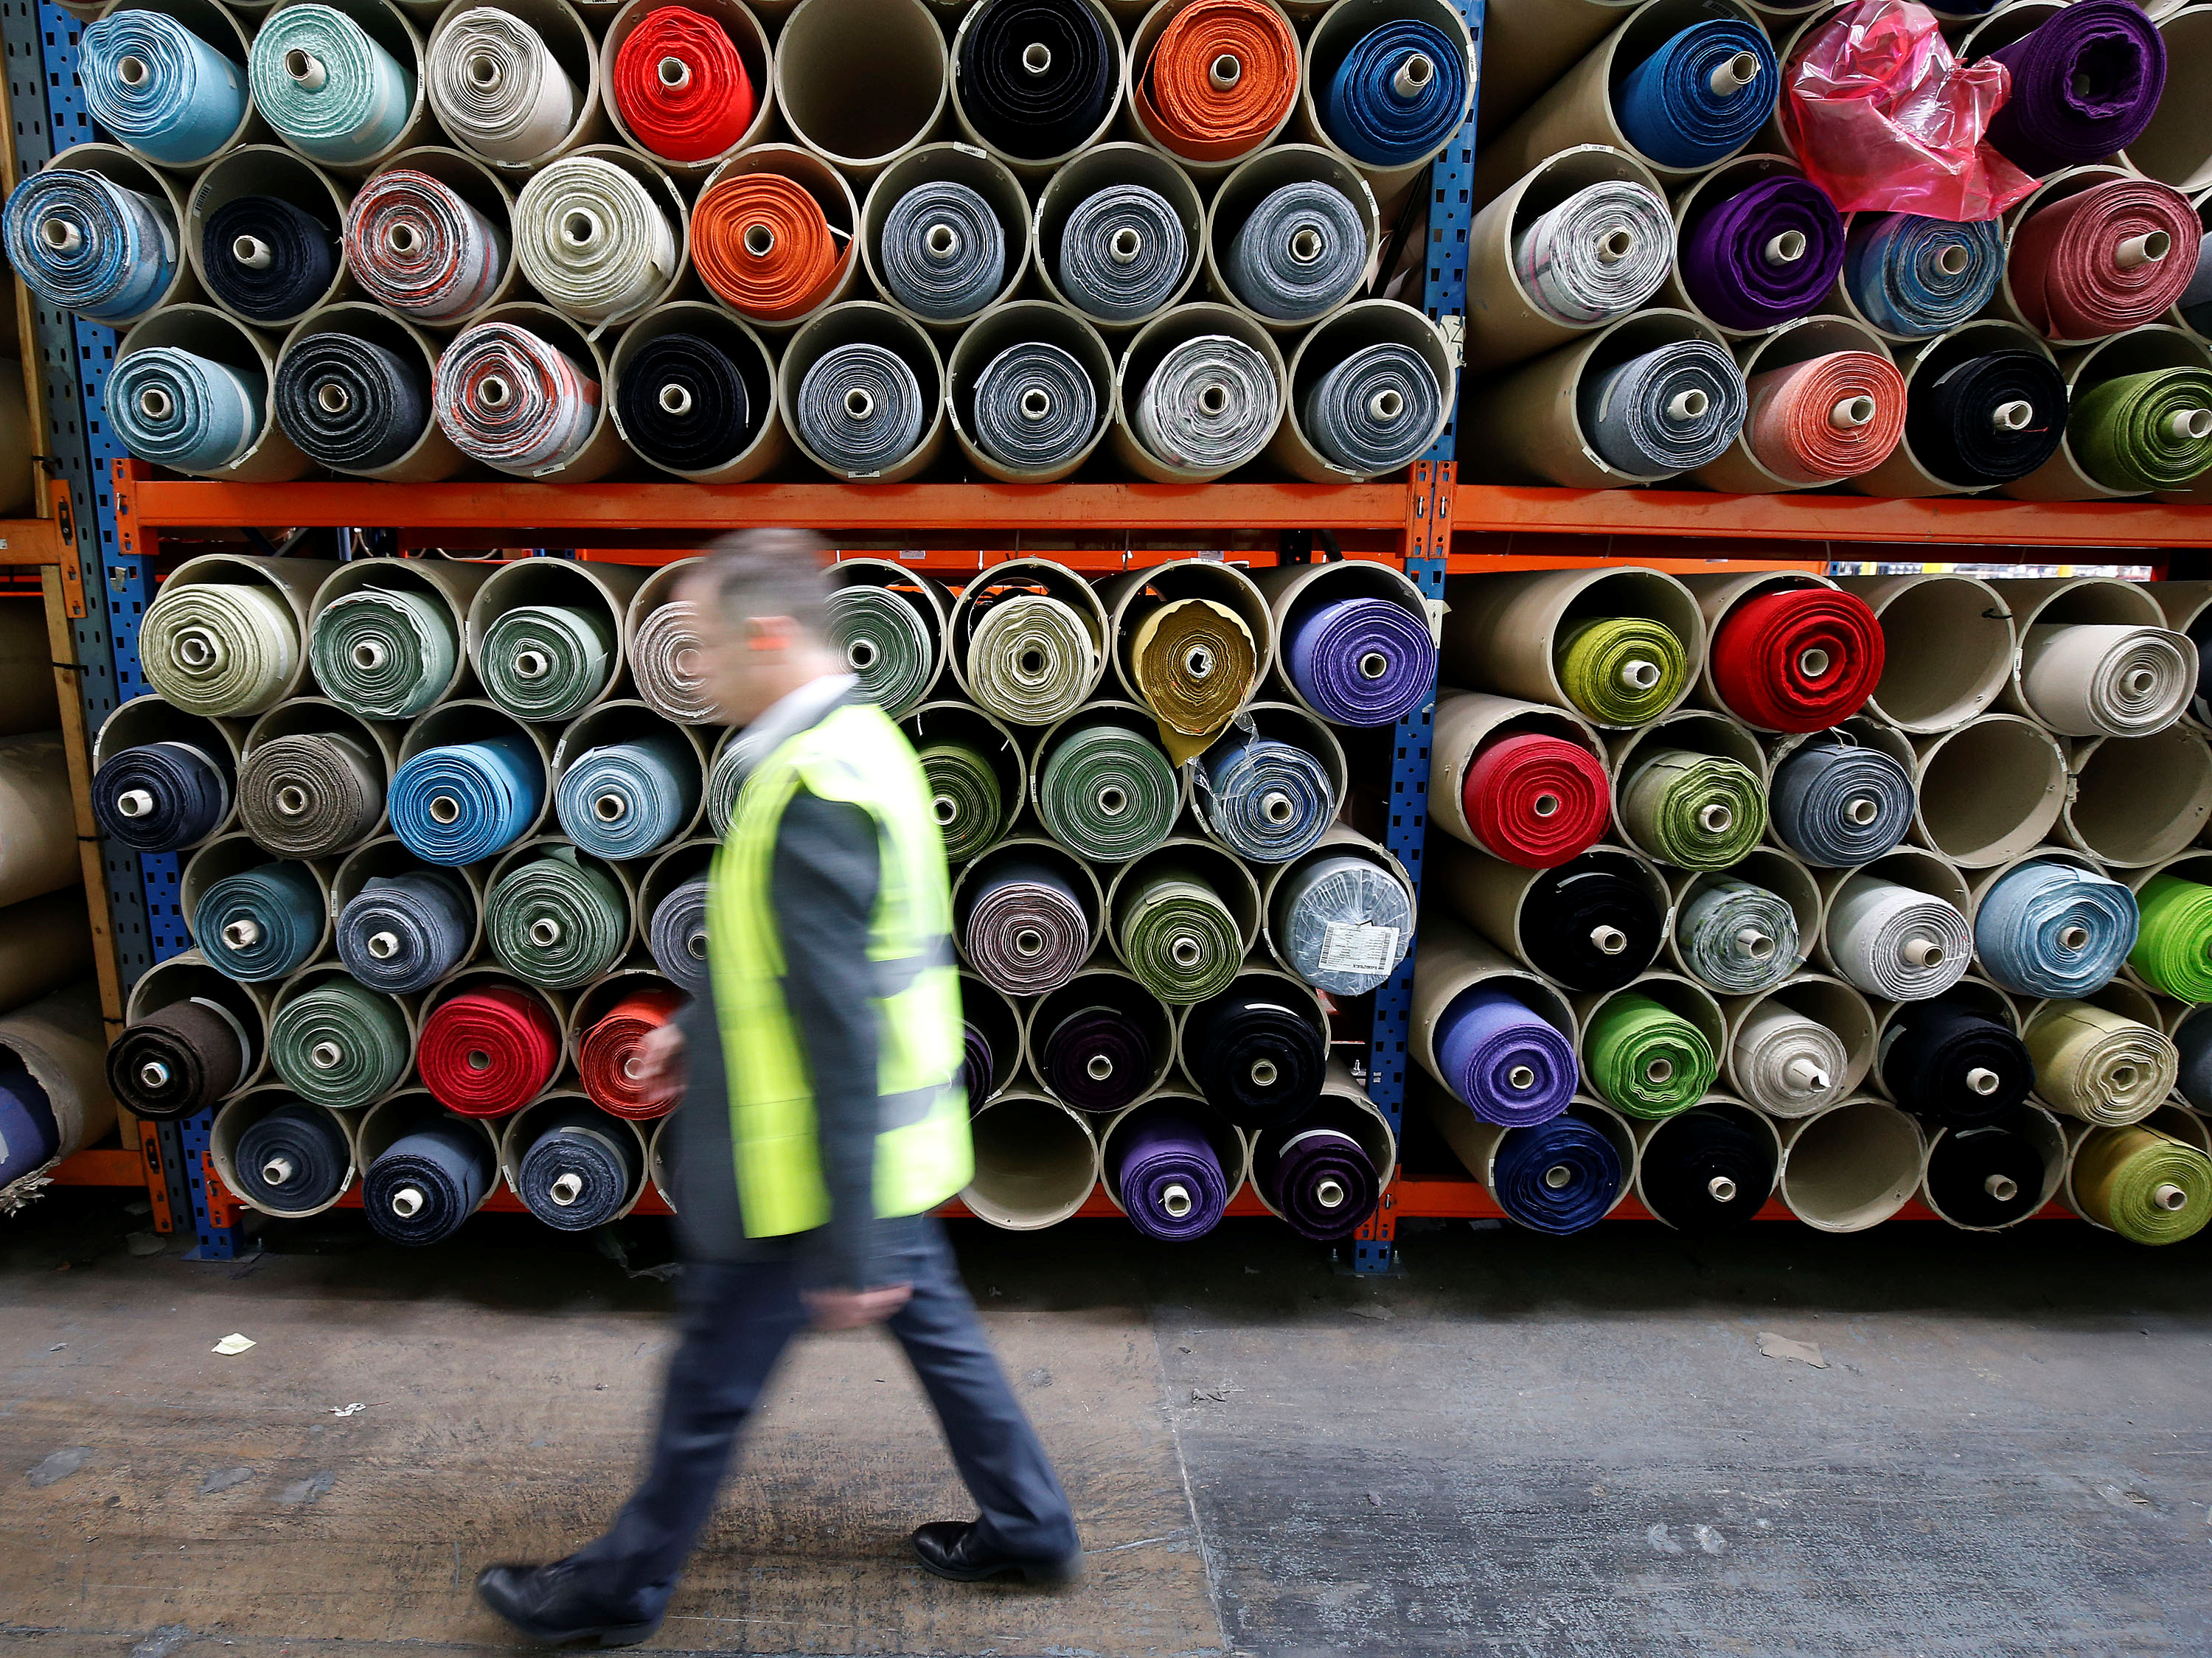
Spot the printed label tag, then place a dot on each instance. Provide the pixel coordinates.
(1358, 947)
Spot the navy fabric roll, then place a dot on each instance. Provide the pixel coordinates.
(1986, 1176)
(1027, 111)
(1269, 801)
(1374, 411)
(294, 1159)
(84, 243)
(1258, 1061)
(1559, 1177)
(1097, 1058)
(1360, 661)
(677, 936)
(2194, 1039)
(1707, 1173)
(580, 1169)
(160, 796)
(267, 258)
(1670, 107)
(979, 1065)
(405, 933)
(1398, 94)
(260, 924)
(1956, 427)
(1954, 1067)
(428, 1181)
(466, 801)
(28, 1135)
(1589, 927)
(1322, 1181)
(1835, 804)
(2049, 928)
(685, 404)
(351, 403)
(1506, 1064)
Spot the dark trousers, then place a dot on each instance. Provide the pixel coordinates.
(736, 1322)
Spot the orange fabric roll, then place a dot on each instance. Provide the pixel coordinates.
(1827, 417)
(795, 269)
(1209, 116)
(608, 1054)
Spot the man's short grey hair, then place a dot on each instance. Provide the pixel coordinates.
(754, 572)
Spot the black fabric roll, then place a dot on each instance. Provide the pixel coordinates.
(1565, 912)
(1967, 1163)
(712, 419)
(439, 1172)
(1098, 1038)
(979, 1065)
(160, 796)
(1035, 115)
(1684, 1162)
(302, 257)
(1258, 1062)
(350, 403)
(1932, 1057)
(579, 1171)
(179, 1059)
(301, 1144)
(1954, 428)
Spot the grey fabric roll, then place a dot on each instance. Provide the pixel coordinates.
(311, 795)
(1343, 923)
(1211, 405)
(1093, 272)
(1736, 937)
(1300, 253)
(350, 404)
(860, 409)
(943, 253)
(677, 936)
(1669, 411)
(1035, 407)
(724, 779)
(1598, 255)
(1374, 411)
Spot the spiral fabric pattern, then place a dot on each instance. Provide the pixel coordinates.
(1558, 1178)
(594, 239)
(677, 936)
(1682, 109)
(2085, 84)
(1299, 254)
(944, 252)
(1802, 660)
(1026, 931)
(798, 261)
(1990, 420)
(1621, 670)
(218, 648)
(1536, 801)
(175, 409)
(1123, 253)
(86, 244)
(964, 797)
(1107, 793)
(1177, 936)
(886, 642)
(2147, 1186)
(1646, 1060)
(1600, 254)
(1589, 924)
(1168, 1176)
(580, 1170)
(1030, 109)
(724, 779)
(2137, 432)
(1209, 406)
(1323, 1184)
(683, 403)
(464, 802)
(485, 1053)
(496, 88)
(1836, 804)
(2099, 1066)
(1737, 938)
(266, 258)
(1951, 1067)
(293, 1160)
(1195, 664)
(311, 795)
(1361, 662)
(1789, 1066)
(350, 404)
(160, 796)
(340, 1045)
(323, 83)
(183, 103)
(1267, 800)
(1031, 659)
(1398, 94)
(260, 924)
(1669, 411)
(627, 799)
(179, 1059)
(1376, 410)
(557, 922)
(402, 934)
(428, 1182)
(1697, 811)
(1708, 1173)
(682, 86)
(1829, 417)
(418, 247)
(383, 653)
(547, 661)
(2069, 273)
(860, 409)
(1258, 1060)
(514, 401)
(2173, 946)
(1502, 1062)
(1342, 923)
(1893, 942)
(1035, 408)
(1197, 112)
(1919, 276)
(2051, 929)
(663, 658)
(1767, 254)
(608, 1056)
(2094, 680)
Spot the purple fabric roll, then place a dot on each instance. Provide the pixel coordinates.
(1092, 1039)
(1314, 1166)
(1163, 1163)
(979, 1067)
(1734, 259)
(2084, 85)
(1361, 661)
(1505, 1063)
(1027, 932)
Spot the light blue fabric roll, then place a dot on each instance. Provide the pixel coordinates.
(1269, 801)
(174, 408)
(627, 799)
(327, 87)
(1095, 279)
(1343, 923)
(1835, 804)
(1299, 253)
(2048, 928)
(1919, 276)
(160, 89)
(1374, 411)
(87, 244)
(466, 801)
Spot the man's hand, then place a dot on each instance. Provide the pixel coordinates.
(660, 1061)
(849, 1309)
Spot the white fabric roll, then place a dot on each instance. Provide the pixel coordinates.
(1892, 941)
(497, 88)
(2090, 680)
(1787, 1064)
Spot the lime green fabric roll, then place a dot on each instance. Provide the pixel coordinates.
(340, 1044)
(2174, 947)
(1646, 1061)
(546, 661)
(2146, 1186)
(1621, 670)
(1177, 936)
(2144, 432)
(1694, 809)
(964, 797)
(555, 921)
(1108, 794)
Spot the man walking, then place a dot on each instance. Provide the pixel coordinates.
(823, 1117)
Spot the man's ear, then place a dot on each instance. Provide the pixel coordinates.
(768, 633)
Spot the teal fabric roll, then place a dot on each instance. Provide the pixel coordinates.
(324, 85)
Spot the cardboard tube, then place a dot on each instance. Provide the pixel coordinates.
(1021, 322)
(1468, 722)
(1339, 29)
(2144, 349)
(384, 1123)
(1758, 1124)
(1449, 957)
(1903, 475)
(746, 32)
(1097, 169)
(2185, 604)
(841, 212)
(60, 1040)
(1501, 633)
(45, 943)
(1738, 472)
(770, 443)
(189, 976)
(518, 1133)
(1256, 178)
(475, 182)
(1780, 871)
(990, 177)
(585, 584)
(2057, 601)
(1344, 1107)
(1829, 1003)
(1948, 647)
(295, 580)
(572, 43)
(1851, 1167)
(2176, 148)
(1228, 1141)
(114, 162)
(1352, 328)
(983, 1005)
(388, 856)
(1488, 894)
(1153, 342)
(2135, 801)
(470, 719)
(855, 321)
(1528, 44)
(1036, 1163)
(216, 25)
(452, 583)
(271, 457)
(432, 457)
(1990, 789)
(862, 81)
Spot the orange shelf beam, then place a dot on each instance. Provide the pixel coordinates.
(108, 1168)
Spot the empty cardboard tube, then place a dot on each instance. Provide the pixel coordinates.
(1036, 1162)
(1990, 789)
(1851, 1167)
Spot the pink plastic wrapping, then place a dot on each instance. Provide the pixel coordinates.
(1885, 120)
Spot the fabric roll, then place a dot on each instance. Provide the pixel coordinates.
(1836, 804)
(1990, 420)
(261, 923)
(1706, 1174)
(594, 240)
(1589, 927)
(155, 85)
(965, 797)
(1108, 794)
(677, 936)
(684, 403)
(1697, 811)
(1802, 660)
(1621, 670)
(1989, 1176)
(87, 244)
(428, 1182)
(724, 779)
(509, 1030)
(1323, 1183)
(265, 257)
(682, 86)
(1026, 931)
(1031, 110)
(177, 409)
(2054, 929)
(512, 400)
(416, 244)
(496, 88)
(979, 1065)
(1035, 407)
(383, 653)
(1956, 1069)
(2137, 432)
(1168, 1176)
(1765, 254)
(466, 801)
(1176, 934)
(2195, 301)
(890, 646)
(1669, 411)
(160, 796)
(1645, 1061)
(1099, 1059)
(798, 261)
(2193, 1039)
(664, 657)
(1894, 942)
(293, 1160)
(1210, 406)
(1299, 254)
(2085, 83)
(1201, 115)
(557, 922)
(1599, 254)
(1558, 1178)
(1195, 664)
(1259, 1061)
(861, 409)
(2100, 1067)
(1361, 661)
(1827, 418)
(351, 403)
(177, 1060)
(2080, 268)
(1031, 659)
(1505, 1063)
(330, 90)
(1093, 272)
(405, 933)
(1789, 1064)
(1919, 276)
(1342, 923)
(2091, 680)
(547, 661)
(2173, 948)
(627, 799)
(340, 1045)
(1374, 411)
(1736, 937)
(1398, 94)
(1269, 801)
(312, 794)
(2147, 1186)
(1684, 106)
(579, 1169)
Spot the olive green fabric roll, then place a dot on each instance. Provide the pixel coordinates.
(2138, 432)
(2147, 1186)
(215, 648)
(1646, 1061)
(556, 921)
(2174, 947)
(1694, 809)
(340, 1044)
(1108, 794)
(1177, 935)
(1621, 670)
(964, 797)
(2098, 1065)
(546, 661)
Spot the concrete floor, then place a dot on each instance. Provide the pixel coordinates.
(1521, 1447)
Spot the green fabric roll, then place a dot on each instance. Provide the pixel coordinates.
(1600, 663)
(340, 1044)
(1177, 936)
(213, 648)
(886, 643)
(555, 921)
(2147, 1186)
(1694, 809)
(2174, 947)
(546, 661)
(964, 797)
(2133, 432)
(385, 655)
(1108, 794)
(1633, 1038)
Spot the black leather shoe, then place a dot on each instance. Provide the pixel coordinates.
(951, 1548)
(546, 1604)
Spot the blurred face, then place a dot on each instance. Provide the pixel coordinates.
(748, 667)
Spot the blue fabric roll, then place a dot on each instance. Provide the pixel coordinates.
(1893, 268)
(295, 1158)
(1116, 290)
(1667, 108)
(677, 936)
(262, 923)
(405, 933)
(2048, 928)
(160, 796)
(2194, 1039)
(190, 412)
(627, 799)
(580, 1167)
(1506, 1064)
(1269, 801)
(180, 101)
(428, 1182)
(491, 791)
(1378, 112)
(1643, 419)
(87, 244)
(1007, 427)
(944, 253)
(1344, 924)
(1835, 804)
(1529, 1160)
(28, 1133)
(1374, 411)
(1264, 269)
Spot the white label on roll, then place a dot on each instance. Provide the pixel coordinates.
(1358, 947)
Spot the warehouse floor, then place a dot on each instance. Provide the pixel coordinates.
(1521, 1446)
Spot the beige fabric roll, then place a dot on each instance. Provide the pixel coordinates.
(38, 826)
(63, 1046)
(27, 673)
(44, 944)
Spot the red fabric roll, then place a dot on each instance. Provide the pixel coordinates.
(2081, 267)
(1537, 801)
(489, 1052)
(1798, 661)
(604, 1056)
(709, 109)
